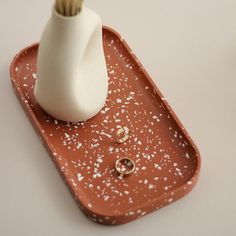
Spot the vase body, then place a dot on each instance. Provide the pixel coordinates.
(72, 82)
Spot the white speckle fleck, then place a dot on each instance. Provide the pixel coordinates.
(189, 182)
(118, 100)
(156, 118)
(176, 134)
(90, 205)
(34, 76)
(158, 167)
(150, 186)
(99, 160)
(97, 175)
(105, 110)
(106, 198)
(187, 155)
(170, 200)
(79, 145)
(80, 177)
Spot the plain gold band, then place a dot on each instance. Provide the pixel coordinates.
(129, 161)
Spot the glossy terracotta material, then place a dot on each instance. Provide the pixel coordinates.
(167, 162)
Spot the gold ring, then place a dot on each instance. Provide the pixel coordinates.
(125, 166)
(122, 135)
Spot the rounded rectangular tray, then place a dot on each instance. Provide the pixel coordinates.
(167, 161)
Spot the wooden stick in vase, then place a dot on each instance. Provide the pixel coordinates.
(68, 7)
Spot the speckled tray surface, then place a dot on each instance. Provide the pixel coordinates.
(167, 161)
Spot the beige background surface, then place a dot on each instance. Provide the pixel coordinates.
(189, 48)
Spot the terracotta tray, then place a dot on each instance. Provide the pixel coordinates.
(167, 161)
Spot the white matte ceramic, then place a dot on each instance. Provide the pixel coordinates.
(72, 82)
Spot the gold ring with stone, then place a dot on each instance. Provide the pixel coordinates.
(125, 166)
(122, 135)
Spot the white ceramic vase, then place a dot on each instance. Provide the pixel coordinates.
(72, 82)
